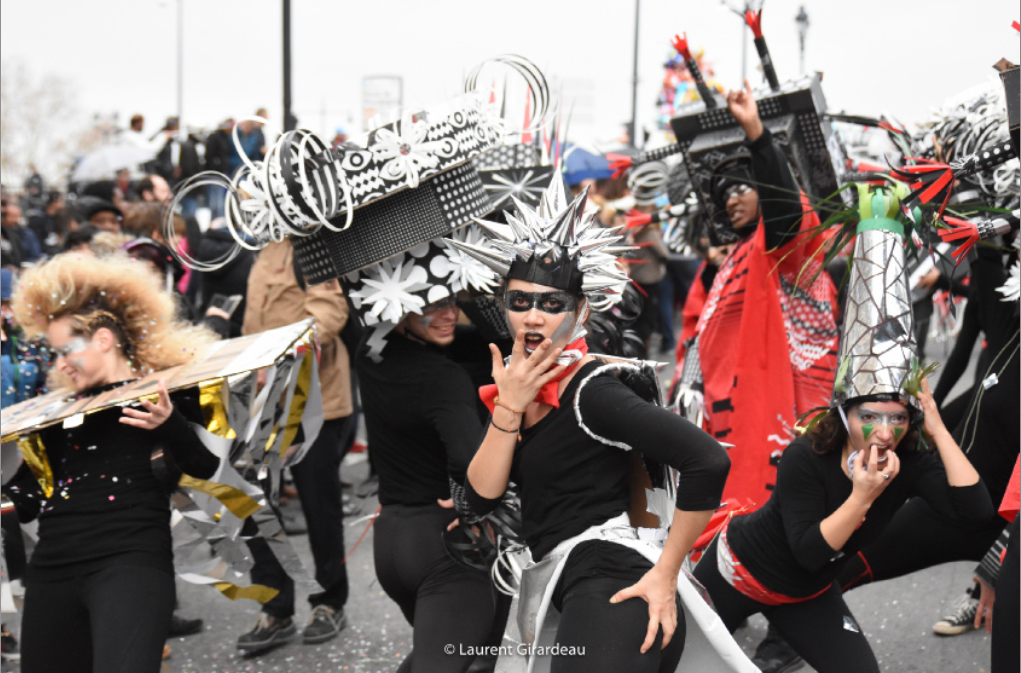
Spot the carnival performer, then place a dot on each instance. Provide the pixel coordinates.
(769, 323)
(839, 485)
(564, 430)
(920, 536)
(423, 427)
(100, 584)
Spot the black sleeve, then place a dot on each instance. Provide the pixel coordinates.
(779, 195)
(218, 324)
(613, 411)
(803, 507)
(989, 569)
(23, 490)
(959, 503)
(960, 356)
(449, 405)
(185, 448)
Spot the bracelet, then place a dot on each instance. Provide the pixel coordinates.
(509, 432)
(498, 403)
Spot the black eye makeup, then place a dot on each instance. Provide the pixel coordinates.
(547, 302)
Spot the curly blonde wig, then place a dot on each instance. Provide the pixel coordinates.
(116, 292)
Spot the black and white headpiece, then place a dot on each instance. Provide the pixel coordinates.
(556, 244)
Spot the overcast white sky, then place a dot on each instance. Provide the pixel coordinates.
(897, 56)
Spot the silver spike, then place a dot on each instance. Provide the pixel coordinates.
(491, 258)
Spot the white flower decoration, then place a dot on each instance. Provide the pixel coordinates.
(466, 272)
(390, 291)
(1011, 290)
(408, 153)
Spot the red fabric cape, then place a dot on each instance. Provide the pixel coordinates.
(766, 355)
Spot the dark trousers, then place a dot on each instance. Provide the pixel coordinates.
(822, 629)
(1007, 609)
(317, 479)
(114, 620)
(445, 602)
(918, 537)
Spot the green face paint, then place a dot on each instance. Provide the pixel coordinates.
(867, 429)
(897, 434)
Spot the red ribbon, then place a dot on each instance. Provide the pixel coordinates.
(548, 394)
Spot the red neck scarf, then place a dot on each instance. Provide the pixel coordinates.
(548, 393)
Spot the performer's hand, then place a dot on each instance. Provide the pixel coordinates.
(869, 484)
(932, 422)
(154, 415)
(742, 105)
(519, 382)
(659, 590)
(986, 600)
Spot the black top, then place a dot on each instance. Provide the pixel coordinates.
(781, 544)
(420, 415)
(570, 482)
(108, 506)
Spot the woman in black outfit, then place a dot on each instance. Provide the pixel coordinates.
(837, 489)
(423, 428)
(99, 589)
(564, 431)
(920, 536)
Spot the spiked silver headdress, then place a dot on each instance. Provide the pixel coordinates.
(556, 244)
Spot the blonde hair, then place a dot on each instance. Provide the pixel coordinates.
(107, 243)
(116, 292)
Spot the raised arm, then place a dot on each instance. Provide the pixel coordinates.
(779, 194)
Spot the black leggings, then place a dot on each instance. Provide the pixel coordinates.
(445, 602)
(611, 634)
(114, 620)
(822, 629)
(918, 537)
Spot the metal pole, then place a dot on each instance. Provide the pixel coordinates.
(288, 118)
(634, 80)
(180, 61)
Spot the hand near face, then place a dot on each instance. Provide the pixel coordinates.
(520, 381)
(870, 483)
(932, 422)
(154, 415)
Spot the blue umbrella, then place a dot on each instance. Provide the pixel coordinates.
(581, 165)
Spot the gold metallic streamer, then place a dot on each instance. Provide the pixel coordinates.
(34, 452)
(214, 410)
(237, 501)
(255, 592)
(301, 392)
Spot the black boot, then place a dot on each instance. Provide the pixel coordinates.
(774, 655)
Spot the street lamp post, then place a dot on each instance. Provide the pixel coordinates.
(634, 81)
(802, 20)
(180, 60)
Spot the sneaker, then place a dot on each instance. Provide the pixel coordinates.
(268, 632)
(323, 624)
(180, 626)
(369, 487)
(350, 506)
(774, 655)
(961, 620)
(8, 645)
